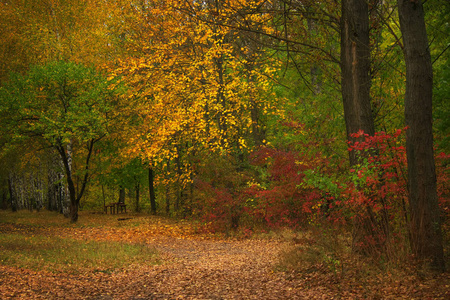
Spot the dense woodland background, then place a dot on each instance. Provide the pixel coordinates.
(242, 115)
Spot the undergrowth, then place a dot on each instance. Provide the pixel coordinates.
(325, 258)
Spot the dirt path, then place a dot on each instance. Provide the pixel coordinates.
(192, 269)
(199, 267)
(222, 270)
(209, 269)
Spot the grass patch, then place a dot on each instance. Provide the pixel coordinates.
(87, 219)
(73, 256)
(33, 218)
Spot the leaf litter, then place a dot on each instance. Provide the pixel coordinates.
(198, 266)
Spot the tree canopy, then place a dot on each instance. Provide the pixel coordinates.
(62, 105)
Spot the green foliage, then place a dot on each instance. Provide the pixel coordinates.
(58, 102)
(317, 115)
(438, 22)
(126, 175)
(326, 183)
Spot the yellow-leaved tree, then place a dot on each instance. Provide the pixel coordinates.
(198, 85)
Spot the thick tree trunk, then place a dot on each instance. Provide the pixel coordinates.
(426, 234)
(73, 200)
(355, 69)
(73, 203)
(66, 158)
(355, 84)
(73, 213)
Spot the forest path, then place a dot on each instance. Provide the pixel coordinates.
(194, 266)
(211, 269)
(191, 267)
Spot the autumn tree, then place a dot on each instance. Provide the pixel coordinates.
(36, 31)
(426, 235)
(191, 85)
(65, 106)
(355, 69)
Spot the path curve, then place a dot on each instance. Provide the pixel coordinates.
(212, 269)
(191, 269)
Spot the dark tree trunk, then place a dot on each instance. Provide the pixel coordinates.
(5, 188)
(168, 188)
(355, 69)
(178, 200)
(426, 234)
(73, 213)
(66, 160)
(137, 189)
(74, 205)
(4, 199)
(12, 196)
(103, 195)
(151, 189)
(355, 84)
(121, 195)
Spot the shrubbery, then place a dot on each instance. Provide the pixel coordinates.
(290, 188)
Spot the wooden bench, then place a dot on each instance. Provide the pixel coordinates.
(115, 208)
(112, 208)
(122, 207)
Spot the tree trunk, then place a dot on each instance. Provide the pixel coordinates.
(121, 195)
(73, 200)
(103, 195)
(179, 191)
(67, 161)
(4, 204)
(167, 192)
(355, 84)
(62, 195)
(73, 212)
(137, 189)
(66, 158)
(355, 69)
(426, 234)
(151, 189)
(12, 194)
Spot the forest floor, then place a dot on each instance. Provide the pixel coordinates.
(187, 265)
